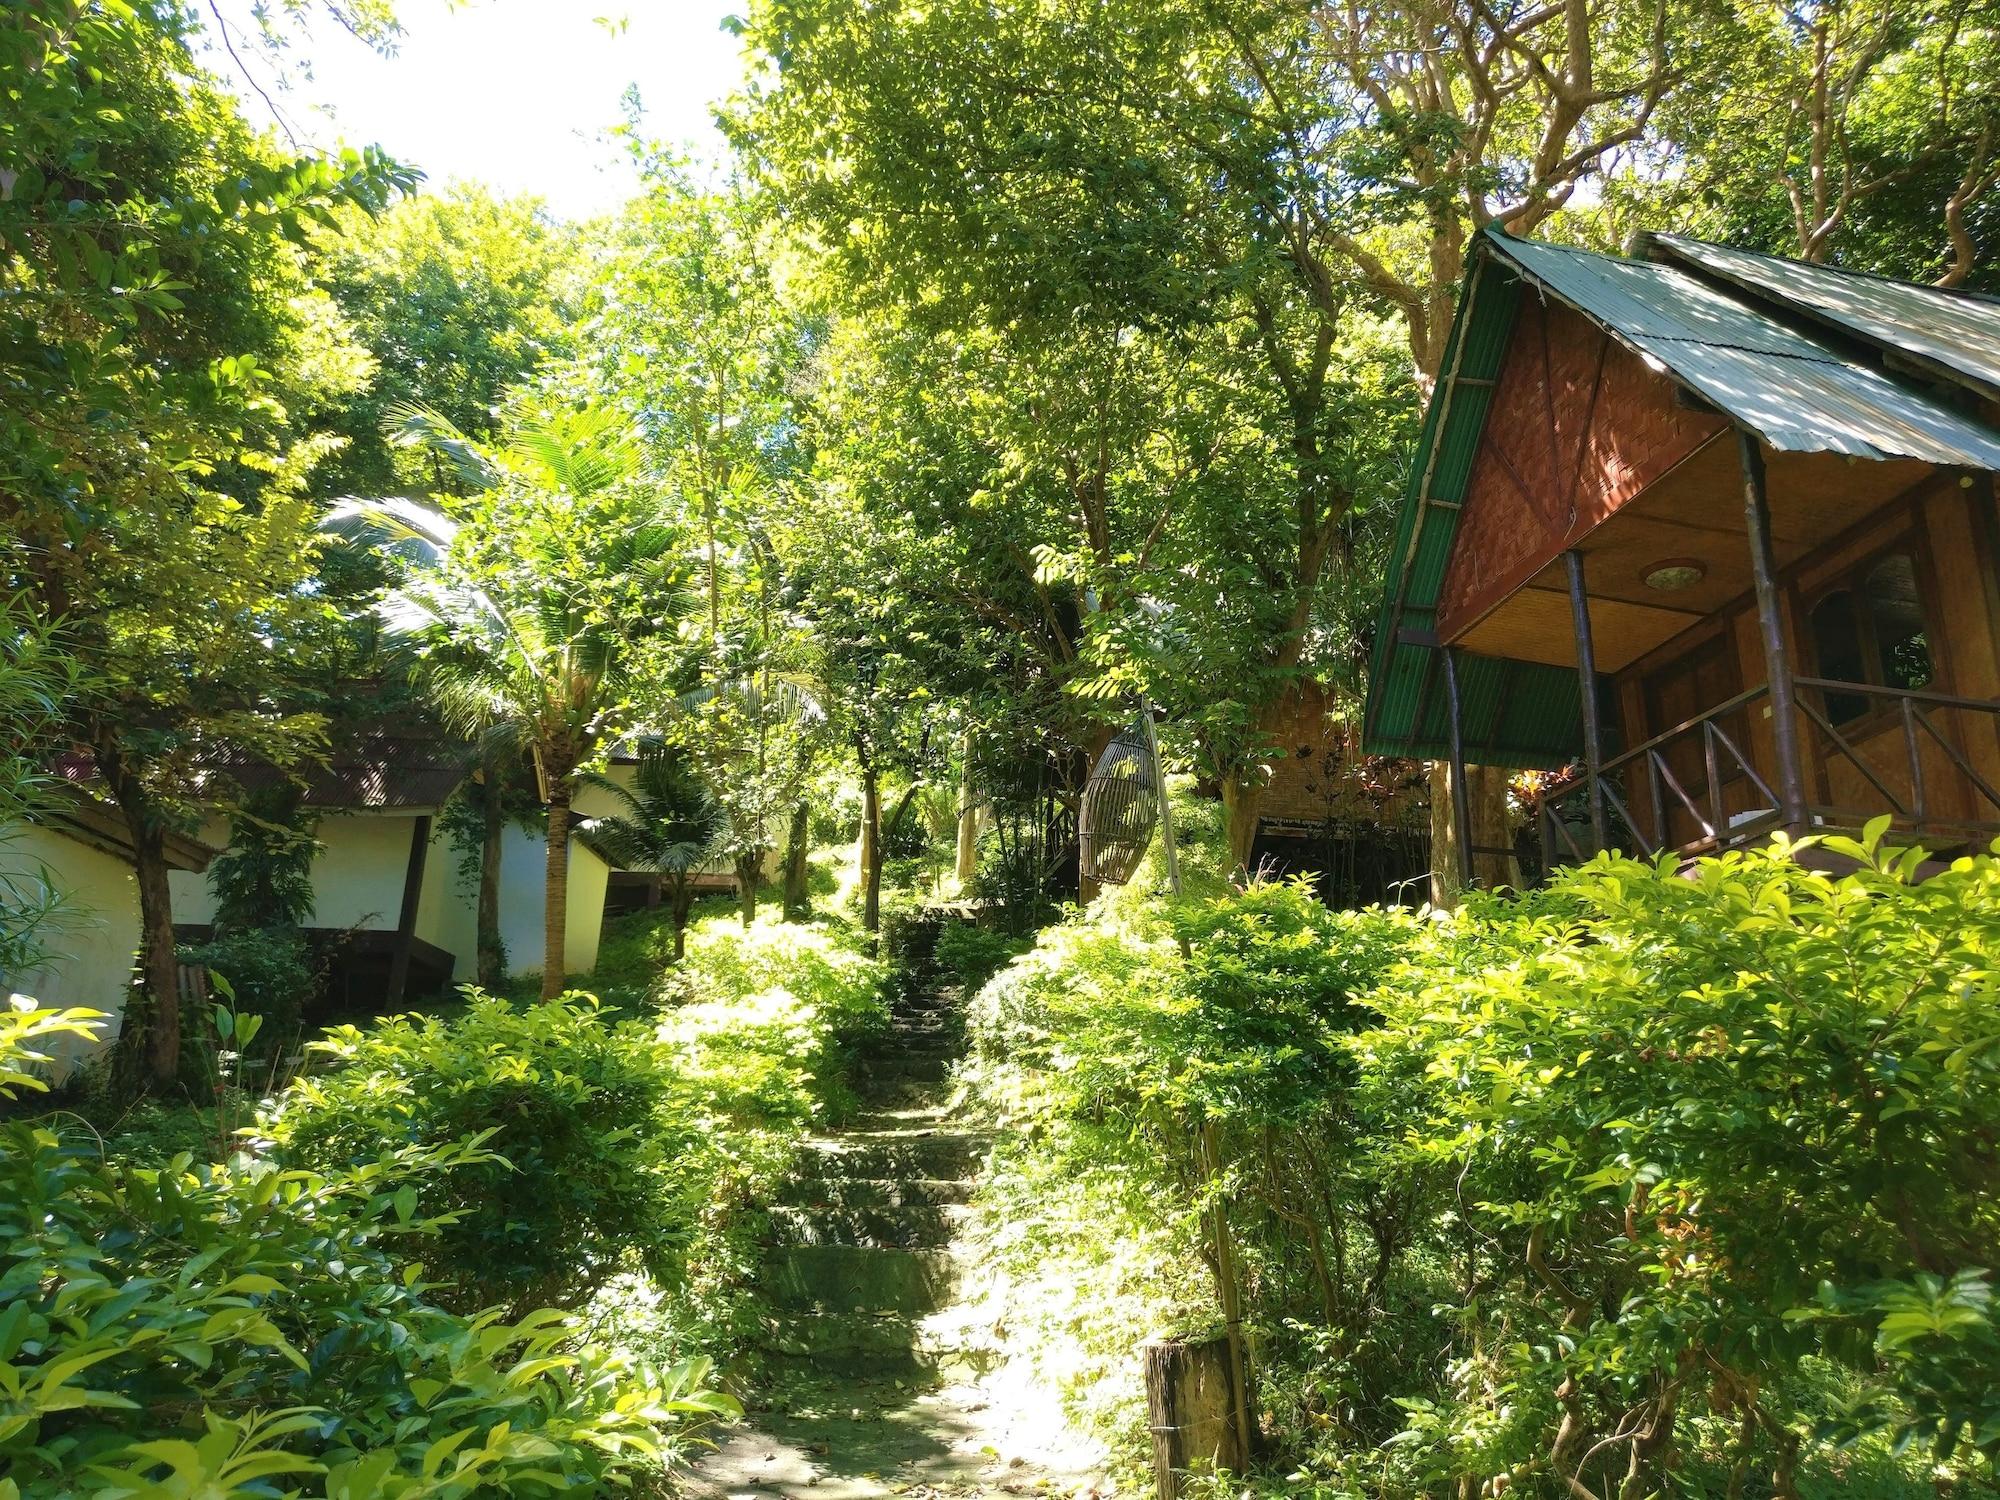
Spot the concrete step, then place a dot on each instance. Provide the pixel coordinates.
(859, 1279)
(876, 1192)
(923, 1152)
(906, 1067)
(913, 1226)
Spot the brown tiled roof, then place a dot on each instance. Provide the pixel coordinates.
(376, 766)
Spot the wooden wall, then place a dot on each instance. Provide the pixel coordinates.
(1578, 427)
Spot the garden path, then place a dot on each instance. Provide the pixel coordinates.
(883, 1377)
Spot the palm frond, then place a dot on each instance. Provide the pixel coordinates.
(409, 425)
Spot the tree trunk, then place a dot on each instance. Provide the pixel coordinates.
(749, 869)
(1240, 803)
(149, 1038)
(491, 957)
(1486, 798)
(159, 968)
(798, 846)
(555, 894)
(871, 852)
(966, 865)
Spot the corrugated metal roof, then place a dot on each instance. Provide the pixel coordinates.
(1799, 393)
(1955, 333)
(1512, 713)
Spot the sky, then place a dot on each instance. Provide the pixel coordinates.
(512, 93)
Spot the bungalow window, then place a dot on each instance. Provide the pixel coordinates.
(1870, 628)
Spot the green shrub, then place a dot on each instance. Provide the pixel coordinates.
(247, 1330)
(1643, 1184)
(576, 1110)
(1705, 1128)
(623, 1145)
(270, 971)
(972, 955)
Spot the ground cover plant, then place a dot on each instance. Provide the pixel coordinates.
(1641, 1184)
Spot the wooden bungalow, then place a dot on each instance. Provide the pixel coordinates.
(1712, 532)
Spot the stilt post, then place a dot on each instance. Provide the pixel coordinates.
(1771, 625)
(1586, 685)
(1461, 807)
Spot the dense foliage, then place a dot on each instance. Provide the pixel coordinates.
(1642, 1182)
(248, 1329)
(614, 1141)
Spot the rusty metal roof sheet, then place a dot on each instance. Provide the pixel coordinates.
(1952, 334)
(1796, 390)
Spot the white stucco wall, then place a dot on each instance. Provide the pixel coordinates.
(358, 882)
(189, 888)
(523, 863)
(96, 942)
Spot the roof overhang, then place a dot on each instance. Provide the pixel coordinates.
(99, 825)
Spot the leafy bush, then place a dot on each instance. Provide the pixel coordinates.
(1641, 1184)
(270, 972)
(972, 955)
(1705, 1128)
(621, 1145)
(575, 1107)
(249, 1330)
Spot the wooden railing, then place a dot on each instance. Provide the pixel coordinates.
(1566, 840)
(1912, 802)
(1668, 812)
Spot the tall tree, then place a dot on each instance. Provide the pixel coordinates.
(154, 326)
(458, 297)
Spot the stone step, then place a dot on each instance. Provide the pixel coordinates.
(864, 1192)
(914, 1226)
(912, 1153)
(864, 1344)
(920, 1067)
(859, 1279)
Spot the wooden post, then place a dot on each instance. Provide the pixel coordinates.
(406, 918)
(1461, 809)
(1771, 625)
(1189, 1406)
(1586, 685)
(1166, 807)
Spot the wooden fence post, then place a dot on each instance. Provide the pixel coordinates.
(1191, 1405)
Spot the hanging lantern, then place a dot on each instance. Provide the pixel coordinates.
(1121, 807)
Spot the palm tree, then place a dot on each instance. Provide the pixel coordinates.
(534, 614)
(670, 826)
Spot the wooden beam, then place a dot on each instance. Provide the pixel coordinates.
(406, 917)
(1461, 810)
(1586, 686)
(1771, 626)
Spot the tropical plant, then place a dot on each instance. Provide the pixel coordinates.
(184, 1330)
(669, 824)
(161, 350)
(537, 615)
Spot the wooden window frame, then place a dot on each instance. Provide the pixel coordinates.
(1913, 543)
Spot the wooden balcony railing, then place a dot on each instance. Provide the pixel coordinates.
(1648, 806)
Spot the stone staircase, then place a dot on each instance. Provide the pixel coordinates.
(860, 1260)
